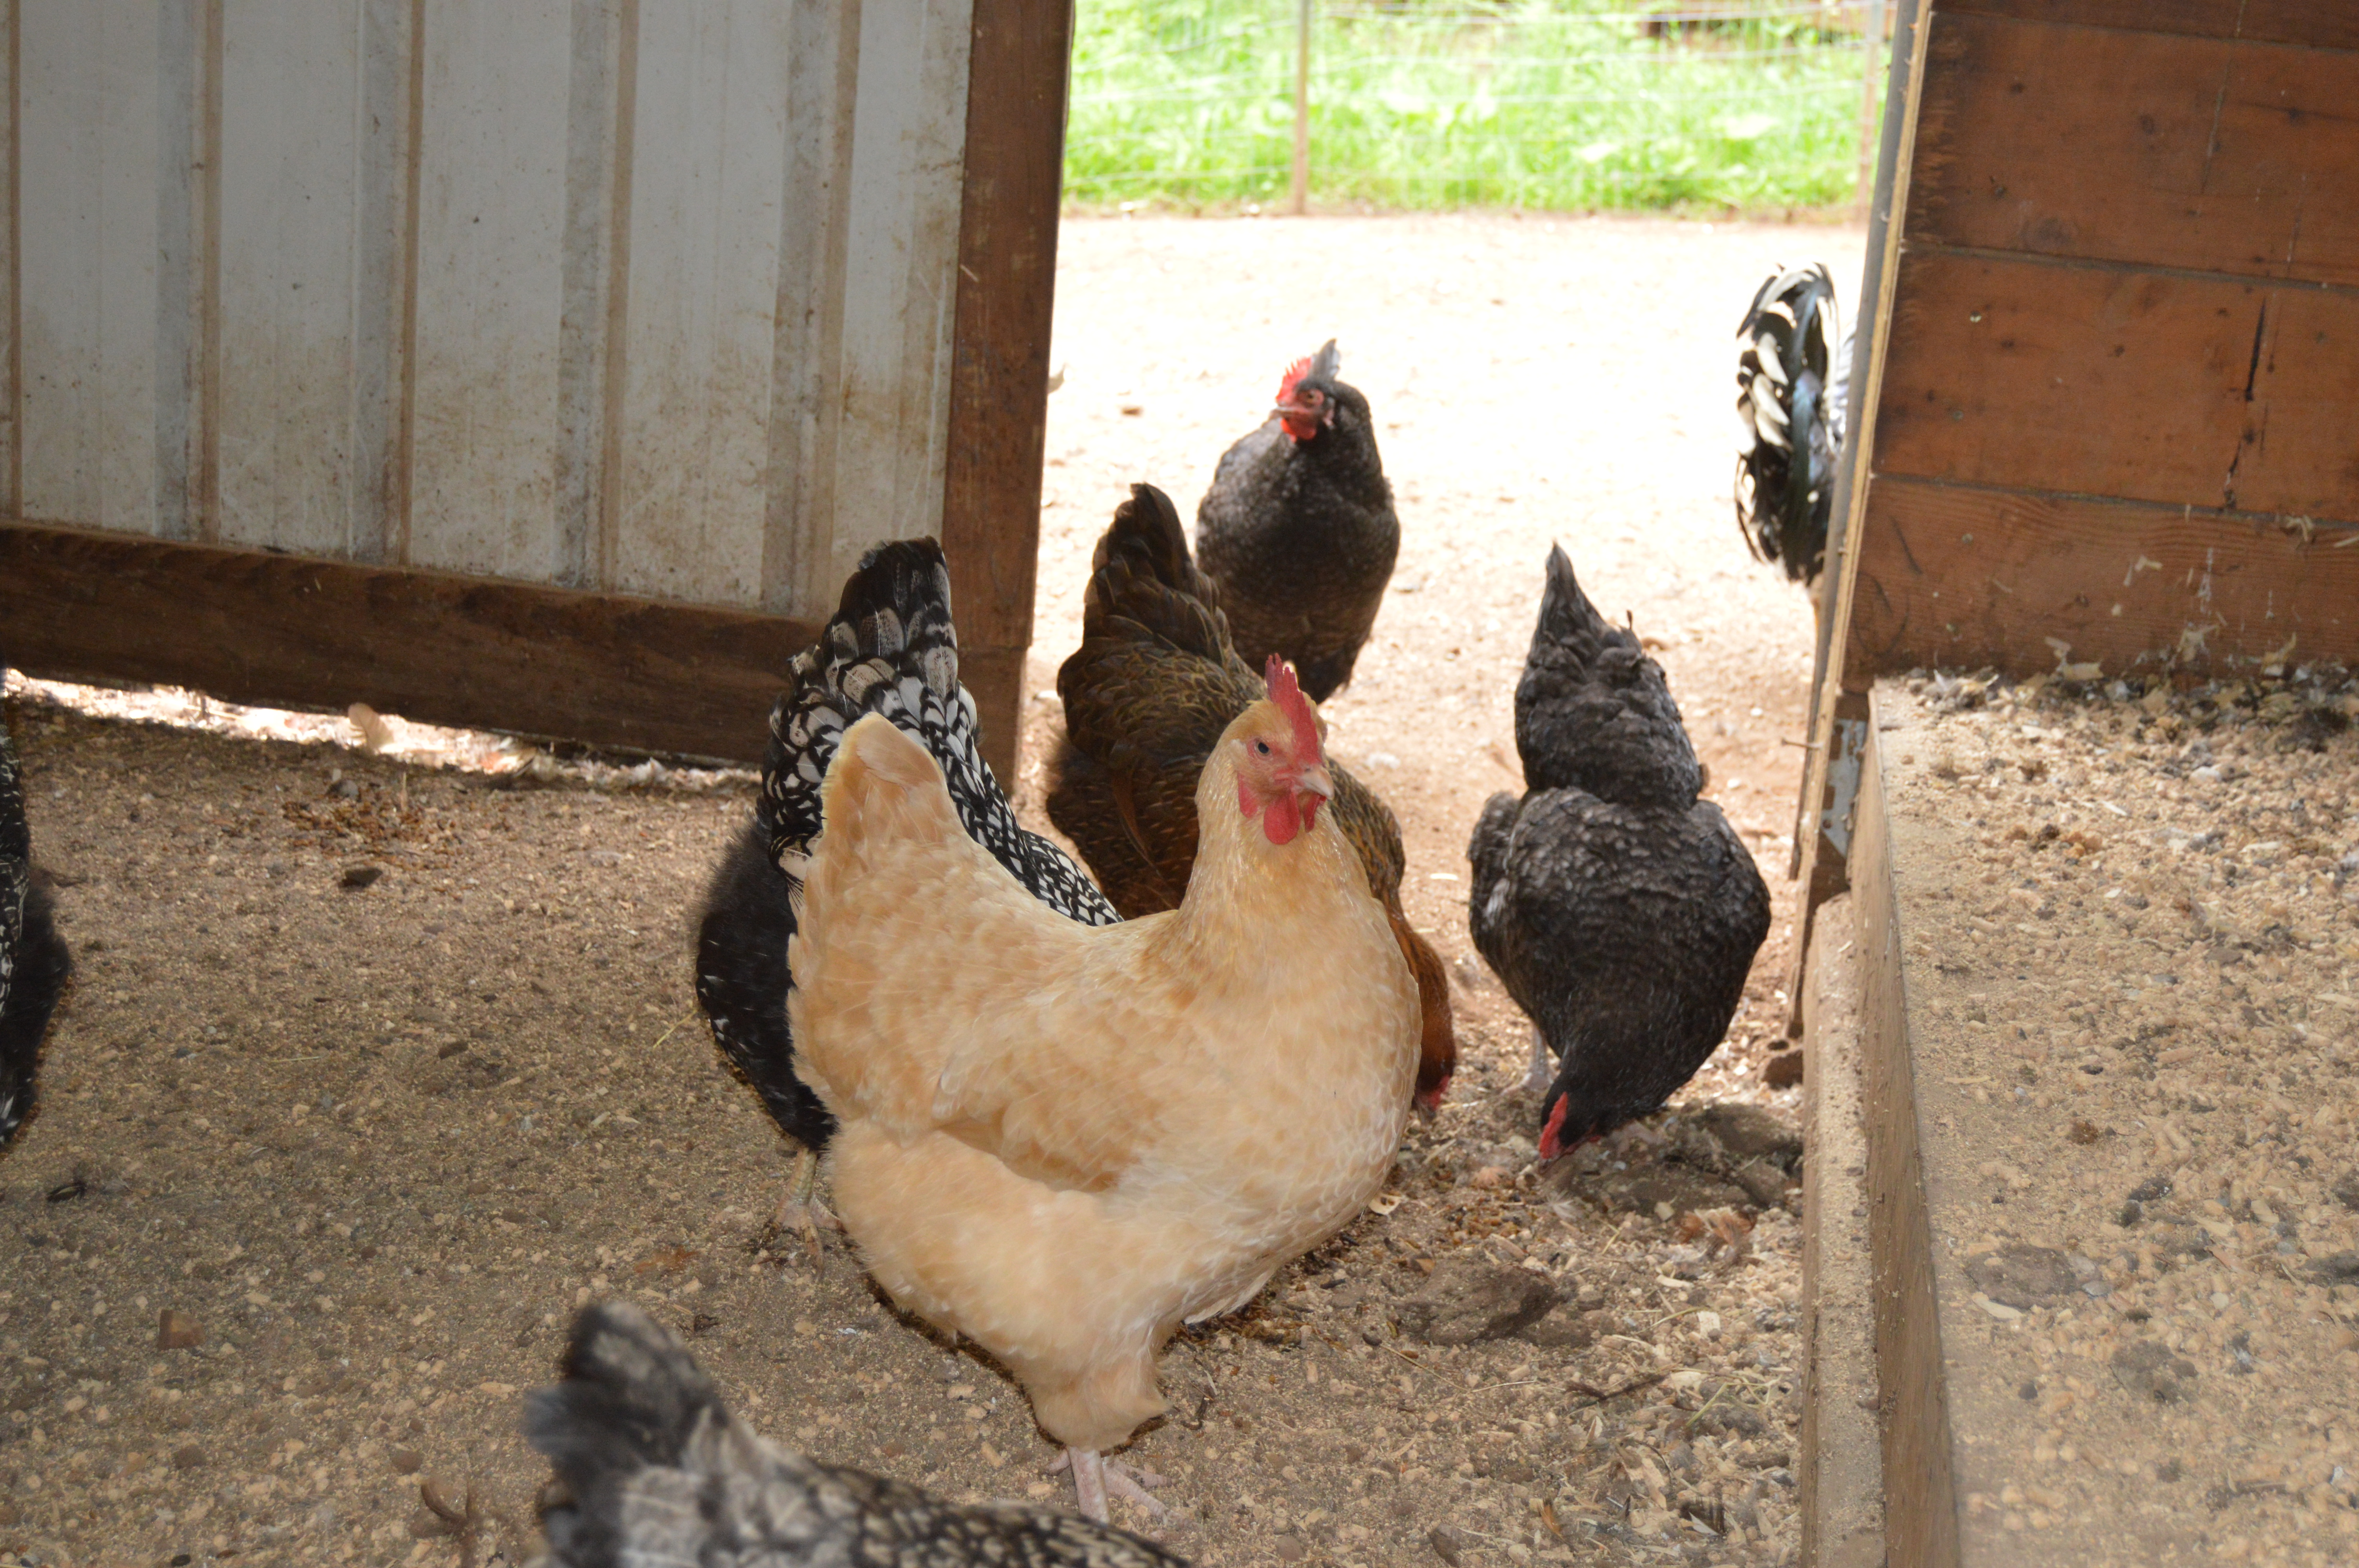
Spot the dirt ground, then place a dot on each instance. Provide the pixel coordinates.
(2132, 925)
(378, 1065)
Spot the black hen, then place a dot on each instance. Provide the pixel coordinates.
(1298, 529)
(1790, 380)
(1621, 912)
(33, 958)
(652, 1468)
(891, 649)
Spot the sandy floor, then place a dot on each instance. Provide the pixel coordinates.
(371, 1144)
(2131, 955)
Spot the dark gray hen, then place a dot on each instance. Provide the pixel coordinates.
(652, 1469)
(34, 962)
(1298, 529)
(891, 648)
(1621, 912)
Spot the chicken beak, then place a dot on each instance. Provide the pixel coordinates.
(1316, 780)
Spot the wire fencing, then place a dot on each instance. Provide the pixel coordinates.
(1557, 105)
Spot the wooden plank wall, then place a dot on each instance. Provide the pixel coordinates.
(658, 300)
(2119, 386)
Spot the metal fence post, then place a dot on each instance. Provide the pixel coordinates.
(1303, 108)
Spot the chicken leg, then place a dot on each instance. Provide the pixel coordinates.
(1542, 1072)
(802, 1208)
(1094, 1475)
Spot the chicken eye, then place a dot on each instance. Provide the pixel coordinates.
(1262, 747)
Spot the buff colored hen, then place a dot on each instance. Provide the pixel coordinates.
(1063, 1141)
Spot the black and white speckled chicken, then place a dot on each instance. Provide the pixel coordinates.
(891, 648)
(1791, 375)
(1298, 529)
(1622, 911)
(652, 1468)
(34, 962)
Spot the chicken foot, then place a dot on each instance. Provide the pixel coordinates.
(1094, 1475)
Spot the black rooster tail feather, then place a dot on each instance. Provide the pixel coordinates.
(1327, 363)
(1789, 399)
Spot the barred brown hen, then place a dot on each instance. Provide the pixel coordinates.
(1146, 695)
(1298, 529)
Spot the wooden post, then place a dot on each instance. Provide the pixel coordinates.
(999, 351)
(1303, 108)
(1871, 90)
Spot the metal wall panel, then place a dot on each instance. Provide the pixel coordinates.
(708, 172)
(290, 229)
(490, 223)
(637, 297)
(89, 136)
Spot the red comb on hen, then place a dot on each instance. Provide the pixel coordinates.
(1287, 692)
(1294, 375)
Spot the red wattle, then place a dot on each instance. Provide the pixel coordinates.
(1552, 1134)
(1283, 820)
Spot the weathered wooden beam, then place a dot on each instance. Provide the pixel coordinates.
(2102, 379)
(999, 366)
(2207, 154)
(2320, 23)
(1964, 577)
(1921, 1517)
(288, 630)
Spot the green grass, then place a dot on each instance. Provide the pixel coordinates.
(1545, 104)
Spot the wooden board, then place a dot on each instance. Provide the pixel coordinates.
(2185, 152)
(999, 370)
(288, 632)
(1920, 1521)
(2319, 22)
(2106, 380)
(1964, 577)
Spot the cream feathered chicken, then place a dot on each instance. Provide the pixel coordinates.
(1063, 1141)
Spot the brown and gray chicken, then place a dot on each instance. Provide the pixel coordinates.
(33, 958)
(1622, 911)
(1155, 681)
(1298, 529)
(652, 1468)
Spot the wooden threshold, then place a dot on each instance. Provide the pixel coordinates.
(291, 631)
